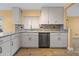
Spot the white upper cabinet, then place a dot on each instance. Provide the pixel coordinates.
(27, 22)
(16, 15)
(52, 15)
(31, 22)
(73, 10)
(35, 22)
(44, 16)
(1, 22)
(56, 15)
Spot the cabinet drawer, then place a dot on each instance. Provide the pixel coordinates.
(33, 34)
(63, 34)
(30, 34)
(4, 39)
(25, 34)
(57, 34)
(13, 36)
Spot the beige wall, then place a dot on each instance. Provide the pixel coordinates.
(31, 13)
(7, 21)
(8, 25)
(74, 27)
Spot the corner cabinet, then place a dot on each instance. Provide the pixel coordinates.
(5, 47)
(29, 40)
(9, 45)
(52, 15)
(16, 15)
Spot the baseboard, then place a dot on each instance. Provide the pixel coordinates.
(70, 49)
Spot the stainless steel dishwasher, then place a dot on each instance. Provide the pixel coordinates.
(44, 40)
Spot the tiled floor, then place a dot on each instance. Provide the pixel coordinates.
(45, 52)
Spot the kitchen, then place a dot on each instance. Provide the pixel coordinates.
(34, 27)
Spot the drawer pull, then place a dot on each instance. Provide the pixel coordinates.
(59, 38)
(29, 38)
(12, 43)
(0, 49)
(0, 41)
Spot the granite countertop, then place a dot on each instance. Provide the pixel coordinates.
(7, 34)
(42, 31)
(25, 31)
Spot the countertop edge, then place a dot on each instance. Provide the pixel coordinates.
(31, 32)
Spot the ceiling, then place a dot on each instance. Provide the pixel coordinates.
(23, 6)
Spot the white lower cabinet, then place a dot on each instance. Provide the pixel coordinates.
(14, 44)
(9, 45)
(30, 40)
(18, 40)
(58, 40)
(5, 47)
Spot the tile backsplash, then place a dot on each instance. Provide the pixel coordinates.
(18, 27)
(51, 27)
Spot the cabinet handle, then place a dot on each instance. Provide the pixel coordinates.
(1, 41)
(12, 43)
(0, 49)
(29, 38)
(59, 38)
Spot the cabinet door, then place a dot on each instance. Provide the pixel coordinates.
(63, 40)
(30, 40)
(14, 44)
(59, 15)
(5, 49)
(56, 15)
(58, 41)
(1, 51)
(27, 22)
(34, 41)
(52, 15)
(31, 22)
(16, 15)
(35, 22)
(18, 40)
(54, 41)
(44, 16)
(25, 41)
